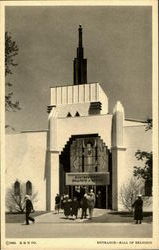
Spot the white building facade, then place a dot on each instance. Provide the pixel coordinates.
(84, 146)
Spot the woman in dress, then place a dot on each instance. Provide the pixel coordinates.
(138, 209)
(66, 206)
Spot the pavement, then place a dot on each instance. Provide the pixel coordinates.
(60, 218)
(52, 225)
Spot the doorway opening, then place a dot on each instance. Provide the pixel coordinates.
(86, 154)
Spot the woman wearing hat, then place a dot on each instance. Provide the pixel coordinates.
(66, 205)
(138, 212)
(29, 208)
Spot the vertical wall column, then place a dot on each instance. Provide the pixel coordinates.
(118, 160)
(118, 153)
(47, 173)
(54, 185)
(52, 181)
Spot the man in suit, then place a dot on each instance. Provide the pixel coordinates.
(29, 208)
(84, 206)
(91, 203)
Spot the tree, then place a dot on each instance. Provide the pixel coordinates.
(145, 173)
(15, 201)
(129, 192)
(11, 51)
(149, 124)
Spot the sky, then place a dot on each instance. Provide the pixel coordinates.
(117, 44)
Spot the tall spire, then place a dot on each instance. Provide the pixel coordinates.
(80, 64)
(80, 36)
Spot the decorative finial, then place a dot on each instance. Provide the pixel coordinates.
(119, 108)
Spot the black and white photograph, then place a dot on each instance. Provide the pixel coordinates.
(80, 125)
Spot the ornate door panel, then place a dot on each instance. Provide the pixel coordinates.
(76, 156)
(102, 159)
(88, 154)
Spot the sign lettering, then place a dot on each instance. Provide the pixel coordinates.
(97, 178)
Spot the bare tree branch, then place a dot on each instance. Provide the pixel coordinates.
(15, 203)
(129, 192)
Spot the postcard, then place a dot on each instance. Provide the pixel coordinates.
(79, 125)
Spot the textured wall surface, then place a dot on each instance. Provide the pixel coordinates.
(26, 157)
(25, 161)
(100, 124)
(75, 98)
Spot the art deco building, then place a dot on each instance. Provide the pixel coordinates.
(84, 147)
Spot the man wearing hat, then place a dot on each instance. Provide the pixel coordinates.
(91, 203)
(138, 213)
(29, 208)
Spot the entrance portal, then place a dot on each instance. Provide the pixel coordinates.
(84, 165)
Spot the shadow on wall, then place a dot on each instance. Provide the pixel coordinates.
(47, 174)
(95, 108)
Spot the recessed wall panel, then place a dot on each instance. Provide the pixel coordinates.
(58, 95)
(81, 93)
(70, 94)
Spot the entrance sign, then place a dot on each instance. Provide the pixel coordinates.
(86, 179)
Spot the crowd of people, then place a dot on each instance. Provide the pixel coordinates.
(86, 202)
(72, 206)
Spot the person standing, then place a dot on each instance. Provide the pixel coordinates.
(66, 206)
(138, 209)
(91, 203)
(29, 208)
(57, 203)
(61, 202)
(75, 207)
(78, 195)
(99, 199)
(92, 193)
(84, 206)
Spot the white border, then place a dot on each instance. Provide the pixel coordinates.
(92, 242)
